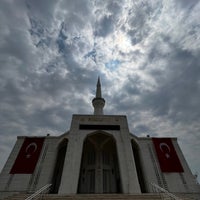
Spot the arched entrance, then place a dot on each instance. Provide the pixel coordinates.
(62, 148)
(136, 155)
(99, 166)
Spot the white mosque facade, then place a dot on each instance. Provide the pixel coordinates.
(97, 155)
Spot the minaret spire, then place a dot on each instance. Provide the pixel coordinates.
(98, 90)
(98, 102)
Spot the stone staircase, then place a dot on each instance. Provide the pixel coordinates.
(148, 196)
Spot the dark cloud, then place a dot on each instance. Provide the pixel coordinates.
(188, 4)
(177, 94)
(114, 7)
(104, 27)
(138, 23)
(141, 129)
(44, 11)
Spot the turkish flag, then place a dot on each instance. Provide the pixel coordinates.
(28, 156)
(167, 156)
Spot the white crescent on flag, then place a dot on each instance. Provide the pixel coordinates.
(167, 155)
(31, 145)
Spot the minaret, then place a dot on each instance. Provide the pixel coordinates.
(98, 102)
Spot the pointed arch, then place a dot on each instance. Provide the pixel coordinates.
(57, 174)
(99, 171)
(136, 154)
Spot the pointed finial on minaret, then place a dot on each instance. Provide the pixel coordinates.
(98, 102)
(98, 90)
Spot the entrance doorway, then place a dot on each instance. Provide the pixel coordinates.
(59, 166)
(99, 166)
(138, 164)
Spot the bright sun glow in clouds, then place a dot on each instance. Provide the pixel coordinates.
(122, 42)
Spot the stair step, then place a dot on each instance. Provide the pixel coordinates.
(147, 196)
(91, 197)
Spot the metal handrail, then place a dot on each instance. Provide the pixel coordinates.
(38, 192)
(162, 190)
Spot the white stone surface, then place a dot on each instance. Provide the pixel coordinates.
(43, 174)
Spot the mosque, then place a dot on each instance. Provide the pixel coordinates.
(97, 155)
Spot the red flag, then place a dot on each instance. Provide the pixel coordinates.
(167, 156)
(28, 156)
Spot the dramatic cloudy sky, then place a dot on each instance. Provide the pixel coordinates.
(147, 53)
